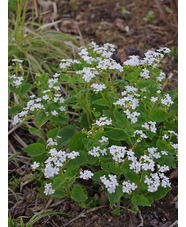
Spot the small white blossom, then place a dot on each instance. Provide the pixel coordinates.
(154, 99)
(128, 187)
(54, 113)
(98, 87)
(86, 174)
(110, 184)
(35, 165)
(48, 189)
(103, 139)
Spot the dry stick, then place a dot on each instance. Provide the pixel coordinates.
(81, 215)
(173, 224)
(141, 218)
(14, 128)
(12, 148)
(19, 140)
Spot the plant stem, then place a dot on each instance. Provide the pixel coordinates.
(66, 185)
(89, 115)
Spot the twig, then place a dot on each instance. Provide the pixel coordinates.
(12, 148)
(19, 140)
(81, 215)
(141, 218)
(14, 128)
(173, 224)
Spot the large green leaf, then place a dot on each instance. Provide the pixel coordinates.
(110, 167)
(52, 133)
(116, 134)
(78, 194)
(14, 110)
(115, 197)
(120, 119)
(101, 102)
(140, 200)
(158, 115)
(66, 133)
(76, 142)
(152, 196)
(35, 149)
(25, 88)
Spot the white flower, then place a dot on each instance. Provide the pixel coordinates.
(54, 113)
(164, 49)
(110, 184)
(48, 189)
(73, 154)
(165, 136)
(117, 153)
(35, 165)
(103, 121)
(128, 187)
(45, 97)
(175, 146)
(98, 87)
(103, 139)
(88, 73)
(167, 100)
(62, 108)
(50, 142)
(164, 152)
(145, 73)
(86, 174)
(154, 99)
(163, 168)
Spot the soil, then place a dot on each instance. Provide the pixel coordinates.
(101, 21)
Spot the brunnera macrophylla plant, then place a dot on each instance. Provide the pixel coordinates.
(103, 127)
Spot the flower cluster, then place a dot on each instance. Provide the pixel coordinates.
(110, 184)
(128, 187)
(86, 174)
(48, 97)
(48, 189)
(95, 152)
(56, 160)
(103, 121)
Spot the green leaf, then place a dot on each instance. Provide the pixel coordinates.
(152, 196)
(40, 158)
(89, 143)
(52, 133)
(101, 102)
(72, 171)
(59, 193)
(141, 84)
(66, 133)
(25, 88)
(41, 118)
(76, 142)
(130, 78)
(84, 121)
(140, 200)
(158, 115)
(162, 145)
(133, 177)
(58, 182)
(33, 130)
(120, 119)
(116, 134)
(14, 110)
(61, 119)
(115, 197)
(35, 149)
(78, 194)
(110, 167)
